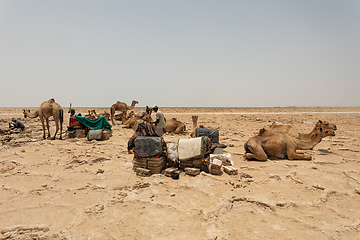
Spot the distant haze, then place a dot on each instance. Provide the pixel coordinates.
(231, 53)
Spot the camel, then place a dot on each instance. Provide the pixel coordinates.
(195, 119)
(47, 109)
(93, 114)
(173, 125)
(281, 145)
(133, 118)
(277, 128)
(123, 107)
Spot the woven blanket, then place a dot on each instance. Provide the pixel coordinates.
(190, 148)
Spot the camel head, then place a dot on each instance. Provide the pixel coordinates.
(326, 125)
(26, 112)
(327, 132)
(194, 118)
(133, 103)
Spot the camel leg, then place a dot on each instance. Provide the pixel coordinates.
(179, 129)
(48, 127)
(123, 117)
(57, 128)
(43, 126)
(112, 119)
(293, 155)
(254, 151)
(61, 130)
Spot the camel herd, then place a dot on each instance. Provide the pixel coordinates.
(275, 141)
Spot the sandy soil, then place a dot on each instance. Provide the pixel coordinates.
(79, 189)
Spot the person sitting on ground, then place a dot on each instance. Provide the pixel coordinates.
(16, 124)
(73, 122)
(160, 121)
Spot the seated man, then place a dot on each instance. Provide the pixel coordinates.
(73, 122)
(16, 124)
(160, 121)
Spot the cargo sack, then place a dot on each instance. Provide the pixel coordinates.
(213, 134)
(148, 146)
(95, 134)
(190, 148)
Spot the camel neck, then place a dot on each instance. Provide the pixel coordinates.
(315, 138)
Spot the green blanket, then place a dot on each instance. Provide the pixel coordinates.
(98, 123)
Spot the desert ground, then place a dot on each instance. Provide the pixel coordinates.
(80, 189)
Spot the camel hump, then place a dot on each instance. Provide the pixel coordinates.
(51, 100)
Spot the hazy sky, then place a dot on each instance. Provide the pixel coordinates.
(232, 53)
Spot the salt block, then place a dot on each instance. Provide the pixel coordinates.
(214, 171)
(230, 170)
(192, 171)
(143, 172)
(216, 164)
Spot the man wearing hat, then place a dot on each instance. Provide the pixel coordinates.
(160, 122)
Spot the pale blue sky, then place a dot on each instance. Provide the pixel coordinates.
(232, 53)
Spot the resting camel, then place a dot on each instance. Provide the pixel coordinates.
(133, 118)
(47, 109)
(173, 125)
(195, 119)
(276, 128)
(123, 107)
(94, 115)
(281, 145)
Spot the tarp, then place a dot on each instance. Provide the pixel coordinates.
(98, 123)
(148, 146)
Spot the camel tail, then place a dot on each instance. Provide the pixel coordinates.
(61, 116)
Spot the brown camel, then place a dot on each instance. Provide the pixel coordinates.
(281, 145)
(93, 114)
(194, 120)
(123, 108)
(133, 118)
(47, 109)
(173, 125)
(276, 128)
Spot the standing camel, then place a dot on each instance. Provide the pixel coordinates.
(47, 109)
(123, 107)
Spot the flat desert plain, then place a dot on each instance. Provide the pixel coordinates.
(79, 189)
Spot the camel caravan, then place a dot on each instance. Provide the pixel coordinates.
(198, 151)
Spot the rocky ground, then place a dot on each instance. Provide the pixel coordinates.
(79, 189)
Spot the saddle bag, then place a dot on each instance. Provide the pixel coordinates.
(95, 134)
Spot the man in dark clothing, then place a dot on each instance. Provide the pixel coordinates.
(16, 124)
